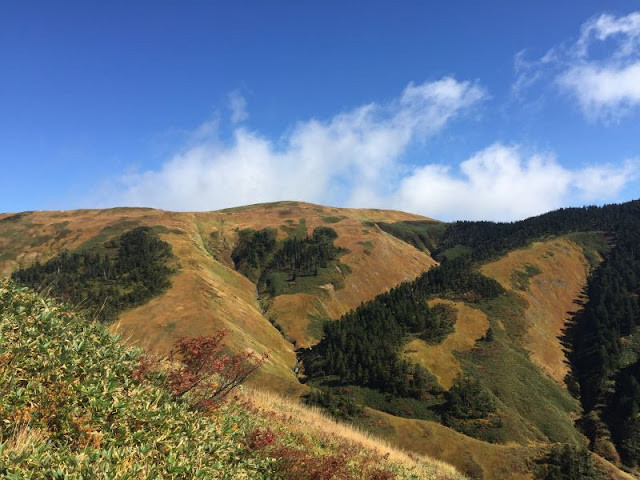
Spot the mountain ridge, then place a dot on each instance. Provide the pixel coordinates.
(542, 266)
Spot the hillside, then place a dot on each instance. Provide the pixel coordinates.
(207, 294)
(471, 342)
(74, 405)
(519, 365)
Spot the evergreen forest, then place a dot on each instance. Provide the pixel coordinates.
(134, 268)
(273, 264)
(603, 341)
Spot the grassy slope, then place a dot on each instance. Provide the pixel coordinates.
(70, 409)
(524, 366)
(474, 458)
(526, 324)
(550, 296)
(207, 294)
(471, 325)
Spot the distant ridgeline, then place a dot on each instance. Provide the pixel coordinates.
(122, 273)
(364, 347)
(292, 265)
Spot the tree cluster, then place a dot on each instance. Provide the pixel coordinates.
(105, 284)
(364, 346)
(567, 462)
(490, 239)
(259, 256)
(254, 251)
(422, 234)
(468, 400)
(304, 257)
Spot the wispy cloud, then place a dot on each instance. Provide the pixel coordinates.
(357, 158)
(238, 107)
(329, 161)
(601, 69)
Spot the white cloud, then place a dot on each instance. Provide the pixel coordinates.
(322, 161)
(238, 107)
(502, 183)
(356, 158)
(601, 69)
(603, 91)
(605, 181)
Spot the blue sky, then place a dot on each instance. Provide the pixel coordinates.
(455, 110)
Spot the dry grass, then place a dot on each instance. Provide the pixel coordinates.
(471, 325)
(612, 472)
(474, 458)
(550, 295)
(24, 439)
(207, 295)
(292, 312)
(312, 422)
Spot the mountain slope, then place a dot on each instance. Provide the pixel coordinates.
(489, 327)
(207, 294)
(74, 405)
(550, 275)
(511, 385)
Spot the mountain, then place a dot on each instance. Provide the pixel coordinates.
(483, 344)
(207, 294)
(82, 406)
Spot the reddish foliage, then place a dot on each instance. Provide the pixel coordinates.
(381, 475)
(261, 438)
(145, 366)
(181, 380)
(206, 371)
(296, 464)
(199, 353)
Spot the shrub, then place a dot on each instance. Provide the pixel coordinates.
(72, 406)
(467, 399)
(340, 404)
(206, 372)
(568, 462)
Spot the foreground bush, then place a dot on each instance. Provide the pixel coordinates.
(71, 409)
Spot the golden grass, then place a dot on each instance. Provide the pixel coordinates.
(472, 457)
(471, 325)
(23, 439)
(207, 295)
(551, 296)
(611, 471)
(307, 421)
(292, 312)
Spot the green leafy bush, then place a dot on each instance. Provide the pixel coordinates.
(71, 407)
